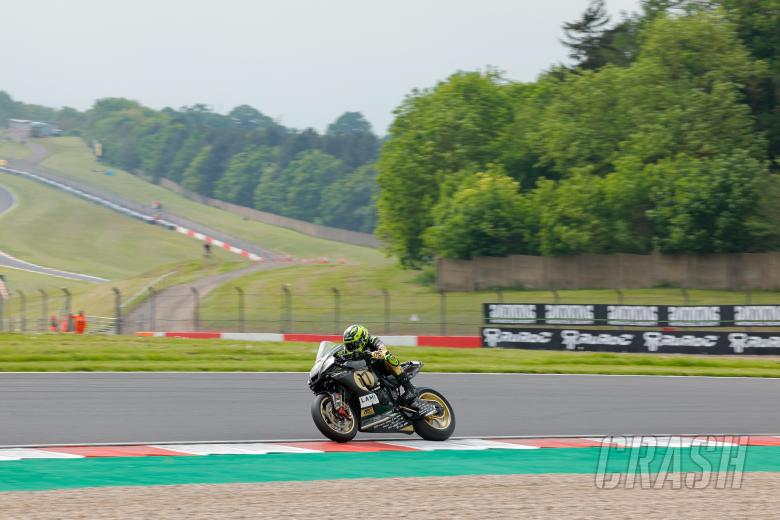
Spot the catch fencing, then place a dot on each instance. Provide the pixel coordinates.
(157, 307)
(164, 304)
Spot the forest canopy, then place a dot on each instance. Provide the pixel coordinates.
(663, 136)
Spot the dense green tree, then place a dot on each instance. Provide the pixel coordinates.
(485, 217)
(436, 136)
(305, 178)
(246, 117)
(349, 123)
(709, 205)
(242, 176)
(190, 145)
(350, 201)
(585, 36)
(681, 96)
(195, 176)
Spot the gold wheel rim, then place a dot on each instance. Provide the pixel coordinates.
(439, 421)
(334, 422)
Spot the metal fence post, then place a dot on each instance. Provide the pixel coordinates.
(556, 296)
(152, 309)
(196, 309)
(117, 311)
(386, 298)
(748, 297)
(442, 313)
(22, 311)
(620, 295)
(68, 313)
(240, 292)
(336, 309)
(44, 309)
(499, 295)
(285, 321)
(685, 294)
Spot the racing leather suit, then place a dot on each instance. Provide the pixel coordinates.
(378, 350)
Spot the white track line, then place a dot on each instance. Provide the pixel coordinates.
(388, 440)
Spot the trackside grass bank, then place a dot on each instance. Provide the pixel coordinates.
(27, 353)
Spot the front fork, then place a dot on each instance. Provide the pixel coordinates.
(338, 403)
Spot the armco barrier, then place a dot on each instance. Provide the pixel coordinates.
(395, 341)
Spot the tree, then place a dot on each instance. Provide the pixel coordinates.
(349, 123)
(683, 95)
(196, 174)
(438, 137)
(585, 36)
(240, 180)
(349, 202)
(710, 206)
(297, 190)
(306, 178)
(758, 26)
(485, 217)
(246, 117)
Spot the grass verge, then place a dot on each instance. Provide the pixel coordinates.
(71, 158)
(24, 353)
(53, 229)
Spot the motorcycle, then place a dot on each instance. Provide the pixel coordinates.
(351, 396)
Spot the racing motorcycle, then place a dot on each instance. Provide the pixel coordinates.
(352, 396)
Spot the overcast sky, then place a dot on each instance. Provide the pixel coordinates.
(304, 62)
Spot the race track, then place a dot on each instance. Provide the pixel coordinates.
(157, 407)
(6, 202)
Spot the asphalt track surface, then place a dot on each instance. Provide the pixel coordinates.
(6, 202)
(63, 408)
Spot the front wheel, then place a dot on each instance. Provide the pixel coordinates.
(439, 426)
(333, 425)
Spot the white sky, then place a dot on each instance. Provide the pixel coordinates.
(304, 62)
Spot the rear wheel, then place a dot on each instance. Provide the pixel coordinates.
(333, 425)
(439, 426)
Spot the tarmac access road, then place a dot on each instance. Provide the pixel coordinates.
(64, 408)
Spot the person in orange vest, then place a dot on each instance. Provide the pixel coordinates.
(80, 323)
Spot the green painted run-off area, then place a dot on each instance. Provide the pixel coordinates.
(43, 474)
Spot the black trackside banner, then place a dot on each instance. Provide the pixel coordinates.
(632, 315)
(685, 342)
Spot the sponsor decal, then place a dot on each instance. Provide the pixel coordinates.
(368, 400)
(639, 315)
(512, 313)
(655, 340)
(766, 315)
(573, 338)
(739, 341)
(365, 412)
(687, 342)
(632, 315)
(493, 337)
(570, 314)
(694, 316)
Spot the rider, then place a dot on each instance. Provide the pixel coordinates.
(357, 341)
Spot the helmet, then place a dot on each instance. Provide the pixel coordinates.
(355, 337)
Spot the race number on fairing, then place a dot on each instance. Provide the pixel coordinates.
(368, 400)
